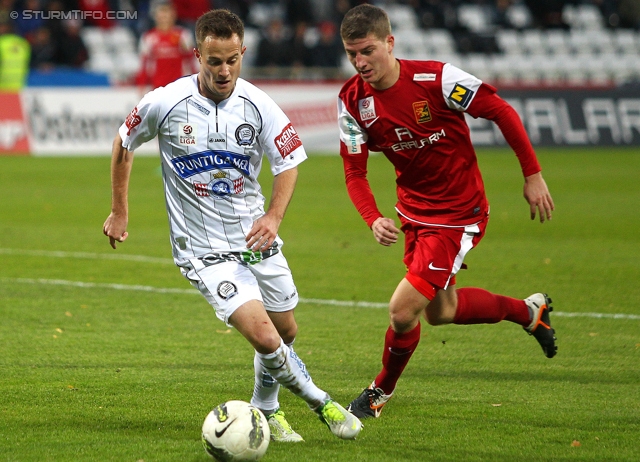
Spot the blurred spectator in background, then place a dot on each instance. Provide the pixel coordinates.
(166, 51)
(26, 27)
(275, 46)
(500, 14)
(329, 50)
(71, 51)
(14, 58)
(437, 14)
(300, 52)
(297, 11)
(629, 13)
(43, 50)
(188, 11)
(99, 16)
(547, 14)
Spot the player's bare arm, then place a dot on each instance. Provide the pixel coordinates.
(537, 195)
(265, 229)
(115, 227)
(385, 231)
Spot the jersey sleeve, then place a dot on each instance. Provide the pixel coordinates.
(141, 125)
(459, 88)
(354, 153)
(280, 140)
(489, 105)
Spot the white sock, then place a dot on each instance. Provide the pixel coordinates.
(287, 368)
(265, 388)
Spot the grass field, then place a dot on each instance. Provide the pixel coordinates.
(110, 356)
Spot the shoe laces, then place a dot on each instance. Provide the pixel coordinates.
(375, 395)
(278, 416)
(331, 413)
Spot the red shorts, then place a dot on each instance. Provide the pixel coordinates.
(434, 254)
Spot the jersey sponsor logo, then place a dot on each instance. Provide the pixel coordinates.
(353, 146)
(199, 107)
(199, 162)
(217, 138)
(245, 135)
(227, 290)
(132, 120)
(367, 109)
(287, 141)
(417, 144)
(422, 112)
(187, 134)
(424, 77)
(461, 95)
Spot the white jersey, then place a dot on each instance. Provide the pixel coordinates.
(211, 158)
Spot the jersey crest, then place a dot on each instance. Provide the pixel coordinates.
(245, 135)
(422, 112)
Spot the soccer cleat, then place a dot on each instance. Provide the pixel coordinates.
(540, 326)
(281, 431)
(341, 423)
(369, 403)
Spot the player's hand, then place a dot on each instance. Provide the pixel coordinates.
(262, 233)
(537, 195)
(385, 231)
(115, 228)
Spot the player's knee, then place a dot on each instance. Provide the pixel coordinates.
(403, 320)
(289, 333)
(264, 340)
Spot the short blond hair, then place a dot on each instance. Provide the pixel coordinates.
(365, 19)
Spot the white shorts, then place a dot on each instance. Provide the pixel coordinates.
(227, 285)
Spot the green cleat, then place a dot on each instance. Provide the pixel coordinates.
(281, 431)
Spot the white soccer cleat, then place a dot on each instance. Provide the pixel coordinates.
(341, 422)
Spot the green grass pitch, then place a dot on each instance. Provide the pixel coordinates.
(109, 355)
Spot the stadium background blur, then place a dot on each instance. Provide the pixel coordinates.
(505, 42)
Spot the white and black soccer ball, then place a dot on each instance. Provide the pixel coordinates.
(235, 430)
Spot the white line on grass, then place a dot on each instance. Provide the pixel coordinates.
(87, 255)
(317, 301)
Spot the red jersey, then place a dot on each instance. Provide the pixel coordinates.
(166, 56)
(419, 125)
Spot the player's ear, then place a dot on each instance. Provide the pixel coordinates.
(390, 43)
(244, 48)
(197, 54)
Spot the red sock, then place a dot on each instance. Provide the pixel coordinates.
(398, 349)
(478, 306)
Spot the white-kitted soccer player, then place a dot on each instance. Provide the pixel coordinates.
(213, 130)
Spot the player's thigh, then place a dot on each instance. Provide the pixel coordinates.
(226, 286)
(279, 292)
(253, 322)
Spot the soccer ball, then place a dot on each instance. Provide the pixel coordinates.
(235, 430)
